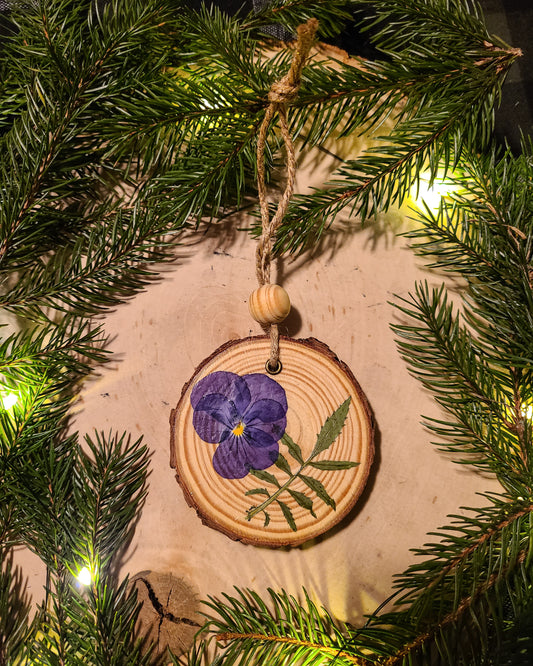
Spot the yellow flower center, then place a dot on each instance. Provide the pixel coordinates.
(239, 429)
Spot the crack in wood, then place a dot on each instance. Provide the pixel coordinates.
(160, 610)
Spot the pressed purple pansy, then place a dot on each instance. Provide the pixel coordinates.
(245, 415)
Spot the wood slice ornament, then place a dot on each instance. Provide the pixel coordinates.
(303, 496)
(272, 438)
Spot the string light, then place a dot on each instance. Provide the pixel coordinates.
(8, 400)
(85, 576)
(527, 411)
(429, 193)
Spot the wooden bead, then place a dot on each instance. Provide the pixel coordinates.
(269, 304)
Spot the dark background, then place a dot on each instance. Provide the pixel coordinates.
(512, 20)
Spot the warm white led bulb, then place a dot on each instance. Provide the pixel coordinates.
(8, 400)
(527, 411)
(431, 196)
(84, 577)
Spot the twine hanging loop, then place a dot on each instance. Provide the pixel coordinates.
(286, 89)
(281, 93)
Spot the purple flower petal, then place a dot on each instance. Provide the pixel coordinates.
(264, 411)
(214, 417)
(235, 457)
(241, 395)
(228, 384)
(259, 437)
(220, 408)
(264, 387)
(209, 429)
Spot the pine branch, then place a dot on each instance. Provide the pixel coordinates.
(64, 353)
(14, 609)
(40, 487)
(480, 371)
(331, 15)
(404, 25)
(479, 563)
(484, 233)
(40, 369)
(68, 506)
(109, 488)
(54, 152)
(208, 111)
(446, 358)
(106, 265)
(76, 509)
(197, 654)
(286, 630)
(433, 121)
(102, 627)
(465, 585)
(385, 175)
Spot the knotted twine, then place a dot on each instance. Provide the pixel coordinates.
(281, 93)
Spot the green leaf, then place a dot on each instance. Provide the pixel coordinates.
(333, 464)
(319, 489)
(282, 463)
(265, 476)
(258, 491)
(294, 449)
(331, 428)
(288, 515)
(303, 500)
(267, 519)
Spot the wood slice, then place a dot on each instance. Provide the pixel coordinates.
(169, 615)
(316, 383)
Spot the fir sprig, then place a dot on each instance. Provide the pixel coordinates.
(423, 78)
(471, 581)
(480, 368)
(332, 15)
(203, 129)
(260, 631)
(15, 607)
(446, 358)
(95, 272)
(86, 502)
(109, 487)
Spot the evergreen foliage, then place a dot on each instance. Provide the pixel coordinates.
(124, 123)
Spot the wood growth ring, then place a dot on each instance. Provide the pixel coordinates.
(316, 382)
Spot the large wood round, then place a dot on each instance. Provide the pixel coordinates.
(316, 382)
